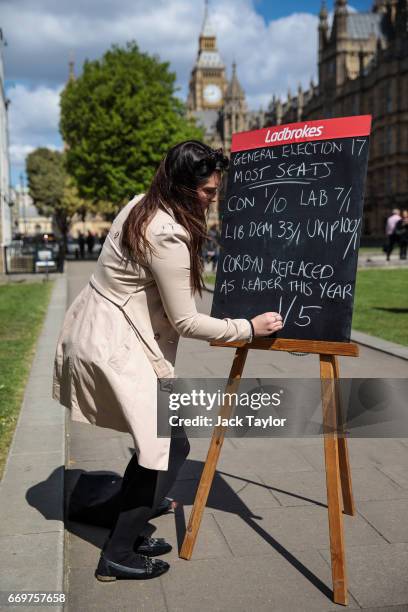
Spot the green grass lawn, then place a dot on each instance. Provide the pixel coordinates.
(371, 251)
(22, 310)
(381, 303)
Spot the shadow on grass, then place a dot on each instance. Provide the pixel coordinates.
(393, 310)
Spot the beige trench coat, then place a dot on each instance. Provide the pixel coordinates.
(121, 333)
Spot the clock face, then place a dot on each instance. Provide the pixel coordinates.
(212, 93)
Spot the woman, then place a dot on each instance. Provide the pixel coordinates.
(401, 231)
(121, 334)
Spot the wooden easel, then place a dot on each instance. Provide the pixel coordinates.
(338, 476)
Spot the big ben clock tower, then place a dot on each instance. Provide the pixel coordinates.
(207, 83)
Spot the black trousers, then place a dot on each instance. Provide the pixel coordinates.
(392, 242)
(141, 493)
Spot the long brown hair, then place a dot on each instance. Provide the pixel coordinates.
(185, 167)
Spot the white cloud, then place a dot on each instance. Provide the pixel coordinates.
(19, 152)
(33, 110)
(271, 56)
(33, 121)
(41, 37)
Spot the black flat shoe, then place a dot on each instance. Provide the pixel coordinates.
(165, 506)
(152, 547)
(145, 569)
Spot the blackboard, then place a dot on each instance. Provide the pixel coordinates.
(290, 226)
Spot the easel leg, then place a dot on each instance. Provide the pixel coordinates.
(333, 483)
(345, 474)
(212, 459)
(344, 463)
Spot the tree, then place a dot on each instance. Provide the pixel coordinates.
(53, 191)
(118, 119)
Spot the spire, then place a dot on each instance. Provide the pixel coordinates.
(380, 6)
(340, 19)
(323, 27)
(208, 39)
(207, 82)
(341, 6)
(323, 15)
(207, 30)
(279, 112)
(71, 64)
(235, 107)
(234, 90)
(299, 102)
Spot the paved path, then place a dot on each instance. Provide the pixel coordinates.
(263, 543)
(31, 491)
(379, 260)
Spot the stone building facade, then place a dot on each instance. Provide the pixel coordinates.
(363, 69)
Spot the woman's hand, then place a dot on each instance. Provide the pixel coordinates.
(267, 323)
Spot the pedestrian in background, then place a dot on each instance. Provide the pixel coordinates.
(102, 237)
(81, 244)
(90, 241)
(401, 231)
(390, 234)
(60, 250)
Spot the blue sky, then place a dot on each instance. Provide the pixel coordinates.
(271, 9)
(274, 45)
